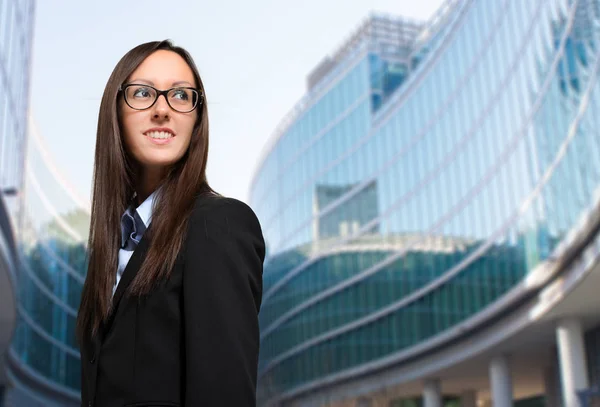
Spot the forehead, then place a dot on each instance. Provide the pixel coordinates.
(163, 67)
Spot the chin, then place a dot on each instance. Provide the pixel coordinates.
(161, 162)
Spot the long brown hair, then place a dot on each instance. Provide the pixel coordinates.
(114, 182)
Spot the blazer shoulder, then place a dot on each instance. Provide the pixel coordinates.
(227, 214)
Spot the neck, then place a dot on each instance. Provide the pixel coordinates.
(149, 180)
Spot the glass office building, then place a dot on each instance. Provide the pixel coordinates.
(428, 176)
(52, 236)
(16, 29)
(16, 24)
(48, 223)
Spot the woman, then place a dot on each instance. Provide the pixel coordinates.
(168, 313)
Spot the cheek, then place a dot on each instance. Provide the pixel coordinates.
(189, 129)
(128, 127)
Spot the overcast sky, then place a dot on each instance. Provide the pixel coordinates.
(253, 57)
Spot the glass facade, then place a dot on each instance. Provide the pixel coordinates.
(411, 188)
(16, 25)
(52, 237)
(50, 223)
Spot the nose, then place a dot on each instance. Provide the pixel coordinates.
(161, 110)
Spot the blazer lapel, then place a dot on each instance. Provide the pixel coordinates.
(139, 254)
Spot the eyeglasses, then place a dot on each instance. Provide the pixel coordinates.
(142, 97)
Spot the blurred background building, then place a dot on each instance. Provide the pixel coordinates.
(431, 209)
(43, 229)
(16, 23)
(53, 224)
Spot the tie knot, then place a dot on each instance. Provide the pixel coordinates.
(132, 229)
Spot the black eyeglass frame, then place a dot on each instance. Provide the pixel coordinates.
(164, 93)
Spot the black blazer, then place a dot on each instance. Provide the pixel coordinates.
(194, 340)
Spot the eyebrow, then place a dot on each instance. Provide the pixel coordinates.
(149, 82)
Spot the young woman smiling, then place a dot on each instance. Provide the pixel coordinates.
(169, 309)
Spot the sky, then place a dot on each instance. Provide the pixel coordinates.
(253, 57)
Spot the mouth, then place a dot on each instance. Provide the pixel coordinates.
(160, 133)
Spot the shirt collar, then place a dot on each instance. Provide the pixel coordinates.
(145, 209)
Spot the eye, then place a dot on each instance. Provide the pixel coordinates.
(142, 92)
(180, 94)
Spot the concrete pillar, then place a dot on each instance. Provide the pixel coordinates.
(501, 382)
(571, 355)
(468, 399)
(432, 393)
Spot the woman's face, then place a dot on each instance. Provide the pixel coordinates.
(159, 136)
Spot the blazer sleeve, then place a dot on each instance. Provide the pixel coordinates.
(222, 291)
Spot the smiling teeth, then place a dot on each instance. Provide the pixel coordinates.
(159, 134)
